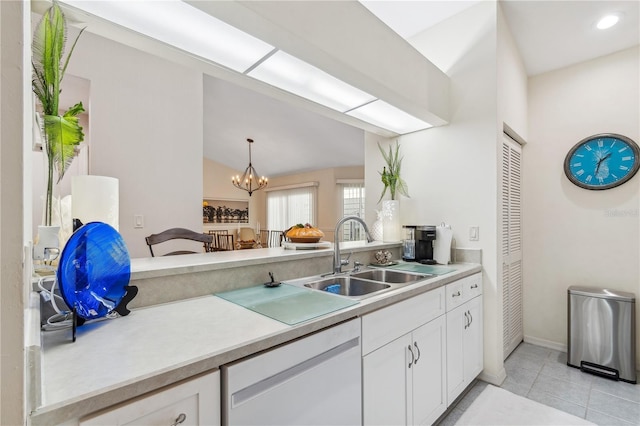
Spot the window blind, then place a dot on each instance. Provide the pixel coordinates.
(353, 205)
(287, 207)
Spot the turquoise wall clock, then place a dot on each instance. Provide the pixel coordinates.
(602, 161)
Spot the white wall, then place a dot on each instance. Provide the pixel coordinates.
(451, 170)
(14, 29)
(577, 236)
(512, 81)
(146, 130)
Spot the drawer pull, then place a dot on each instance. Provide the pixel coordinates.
(179, 420)
(417, 349)
(474, 286)
(457, 293)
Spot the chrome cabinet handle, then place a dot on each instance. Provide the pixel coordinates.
(413, 357)
(457, 293)
(417, 349)
(474, 286)
(466, 320)
(179, 420)
(470, 318)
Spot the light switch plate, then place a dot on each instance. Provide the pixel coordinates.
(474, 233)
(138, 221)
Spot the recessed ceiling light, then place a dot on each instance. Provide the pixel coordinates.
(607, 21)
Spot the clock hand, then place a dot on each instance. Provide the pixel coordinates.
(600, 162)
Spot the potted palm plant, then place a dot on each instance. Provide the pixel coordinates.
(391, 179)
(61, 132)
(390, 174)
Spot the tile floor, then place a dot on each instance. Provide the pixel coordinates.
(542, 375)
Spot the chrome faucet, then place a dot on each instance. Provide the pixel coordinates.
(337, 260)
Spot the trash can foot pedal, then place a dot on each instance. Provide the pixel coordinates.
(599, 370)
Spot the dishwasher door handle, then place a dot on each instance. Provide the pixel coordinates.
(245, 394)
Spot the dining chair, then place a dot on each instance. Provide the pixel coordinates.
(179, 234)
(215, 233)
(225, 242)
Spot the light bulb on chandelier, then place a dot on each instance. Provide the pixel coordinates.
(245, 182)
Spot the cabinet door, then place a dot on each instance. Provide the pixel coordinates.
(473, 350)
(194, 402)
(457, 322)
(429, 372)
(385, 383)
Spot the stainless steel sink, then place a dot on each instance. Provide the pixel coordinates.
(348, 286)
(362, 284)
(389, 276)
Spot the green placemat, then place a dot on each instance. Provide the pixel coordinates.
(423, 269)
(286, 303)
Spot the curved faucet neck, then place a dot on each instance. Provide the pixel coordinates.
(337, 260)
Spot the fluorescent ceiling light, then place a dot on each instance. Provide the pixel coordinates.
(298, 77)
(183, 26)
(187, 28)
(389, 117)
(608, 21)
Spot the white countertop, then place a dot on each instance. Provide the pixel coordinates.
(115, 360)
(149, 267)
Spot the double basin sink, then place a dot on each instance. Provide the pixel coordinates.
(361, 284)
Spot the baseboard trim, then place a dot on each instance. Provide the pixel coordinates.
(494, 379)
(546, 343)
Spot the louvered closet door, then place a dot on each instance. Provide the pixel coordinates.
(511, 245)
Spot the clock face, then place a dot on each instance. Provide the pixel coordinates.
(602, 161)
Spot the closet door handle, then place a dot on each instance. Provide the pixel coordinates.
(413, 357)
(417, 349)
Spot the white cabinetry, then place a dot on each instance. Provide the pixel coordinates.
(404, 361)
(193, 402)
(464, 334)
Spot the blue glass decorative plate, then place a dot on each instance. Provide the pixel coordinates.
(94, 270)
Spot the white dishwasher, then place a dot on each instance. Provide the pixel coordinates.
(315, 380)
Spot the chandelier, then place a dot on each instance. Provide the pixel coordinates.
(246, 181)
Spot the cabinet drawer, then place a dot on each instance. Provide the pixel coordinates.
(387, 324)
(197, 401)
(463, 290)
(472, 286)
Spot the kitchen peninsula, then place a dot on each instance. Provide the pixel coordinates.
(178, 330)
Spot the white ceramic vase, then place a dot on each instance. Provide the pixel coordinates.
(377, 227)
(391, 228)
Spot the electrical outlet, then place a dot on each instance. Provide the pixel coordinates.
(138, 221)
(474, 233)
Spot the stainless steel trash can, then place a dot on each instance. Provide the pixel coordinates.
(602, 332)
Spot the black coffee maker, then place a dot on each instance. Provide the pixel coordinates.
(418, 243)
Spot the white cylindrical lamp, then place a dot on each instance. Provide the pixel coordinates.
(95, 199)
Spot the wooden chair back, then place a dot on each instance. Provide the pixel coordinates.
(179, 234)
(215, 233)
(225, 242)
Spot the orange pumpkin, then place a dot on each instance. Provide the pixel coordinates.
(304, 234)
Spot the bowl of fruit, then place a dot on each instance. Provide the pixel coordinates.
(303, 234)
